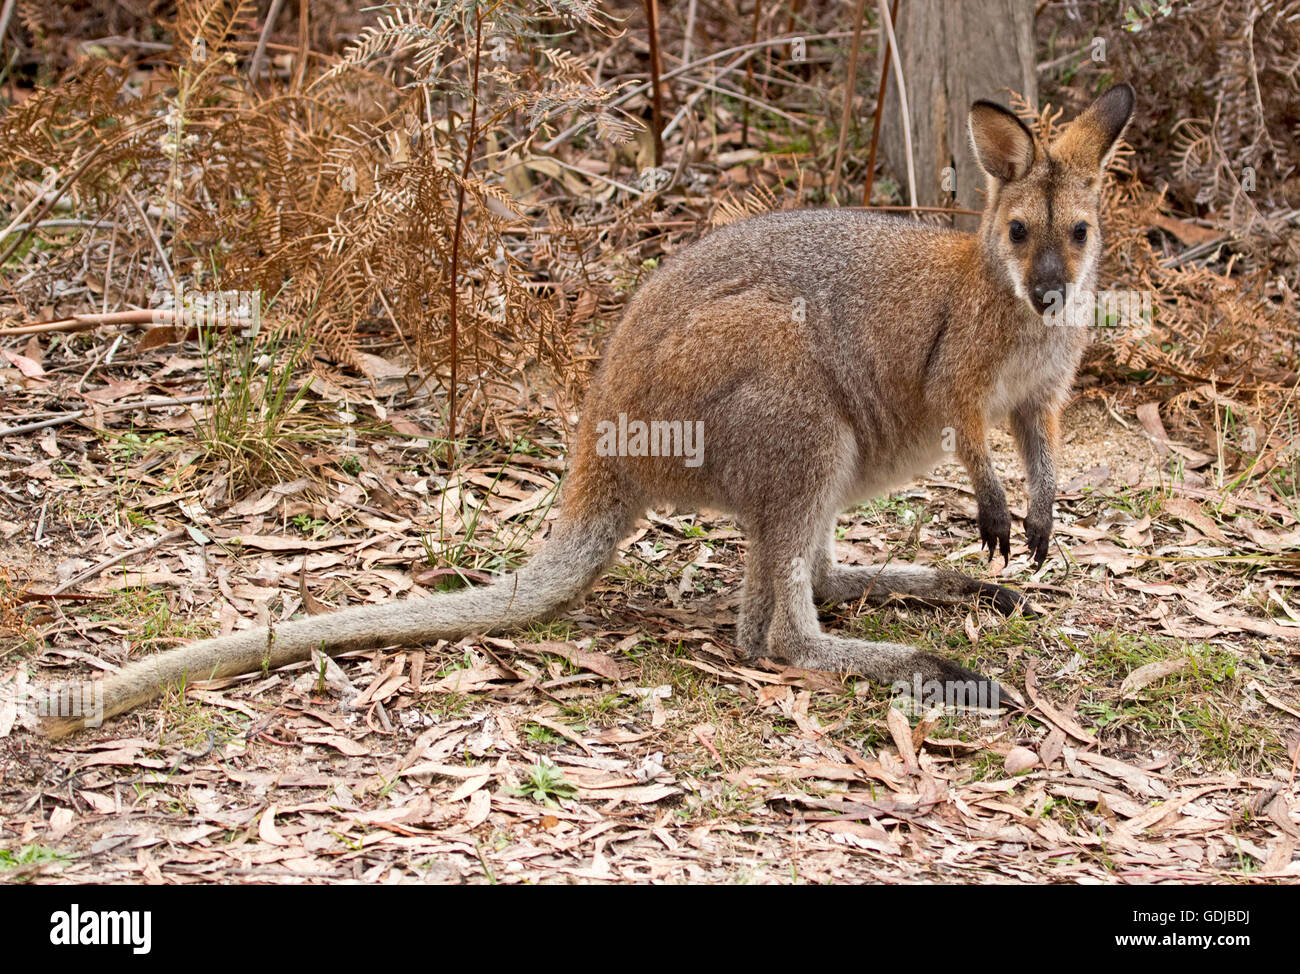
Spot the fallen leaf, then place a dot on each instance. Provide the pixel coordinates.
(1115, 558)
(901, 731)
(1188, 510)
(1053, 715)
(28, 367)
(1148, 674)
(598, 663)
(1019, 759)
(266, 829)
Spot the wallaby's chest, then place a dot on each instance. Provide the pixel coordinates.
(1036, 368)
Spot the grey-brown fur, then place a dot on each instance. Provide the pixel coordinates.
(830, 355)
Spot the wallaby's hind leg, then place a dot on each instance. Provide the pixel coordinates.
(837, 583)
(755, 609)
(756, 601)
(795, 635)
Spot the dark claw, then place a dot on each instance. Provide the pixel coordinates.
(1010, 700)
(980, 690)
(1039, 537)
(995, 531)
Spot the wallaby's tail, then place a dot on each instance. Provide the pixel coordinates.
(582, 542)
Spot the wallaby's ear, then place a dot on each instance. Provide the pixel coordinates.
(1004, 148)
(1089, 141)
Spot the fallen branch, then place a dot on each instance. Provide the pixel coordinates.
(135, 316)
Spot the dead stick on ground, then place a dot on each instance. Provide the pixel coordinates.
(107, 563)
(153, 237)
(82, 322)
(52, 198)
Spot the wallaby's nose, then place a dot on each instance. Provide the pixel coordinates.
(1047, 280)
(1049, 294)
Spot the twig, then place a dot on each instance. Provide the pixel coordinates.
(690, 32)
(4, 20)
(107, 563)
(794, 13)
(595, 175)
(850, 83)
(880, 111)
(115, 408)
(54, 197)
(117, 40)
(84, 322)
(108, 268)
(259, 55)
(690, 102)
(1043, 66)
(732, 93)
(36, 200)
(954, 210)
(304, 43)
(888, 23)
(63, 222)
(153, 237)
(685, 69)
(656, 95)
(749, 74)
(455, 240)
(1193, 253)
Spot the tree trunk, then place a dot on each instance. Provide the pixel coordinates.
(952, 55)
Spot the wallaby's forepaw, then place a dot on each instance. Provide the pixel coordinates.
(995, 530)
(1038, 534)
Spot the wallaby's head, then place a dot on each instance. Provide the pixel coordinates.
(1041, 220)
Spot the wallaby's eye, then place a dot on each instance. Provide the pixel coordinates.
(1019, 232)
(1080, 233)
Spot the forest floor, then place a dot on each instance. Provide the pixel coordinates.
(624, 742)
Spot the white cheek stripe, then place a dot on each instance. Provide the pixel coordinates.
(1017, 281)
(1087, 269)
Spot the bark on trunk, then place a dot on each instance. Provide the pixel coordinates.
(952, 55)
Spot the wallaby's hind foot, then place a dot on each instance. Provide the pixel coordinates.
(1008, 601)
(878, 583)
(795, 636)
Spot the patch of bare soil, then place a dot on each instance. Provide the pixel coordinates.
(625, 743)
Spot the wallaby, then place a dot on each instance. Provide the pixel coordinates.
(821, 357)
